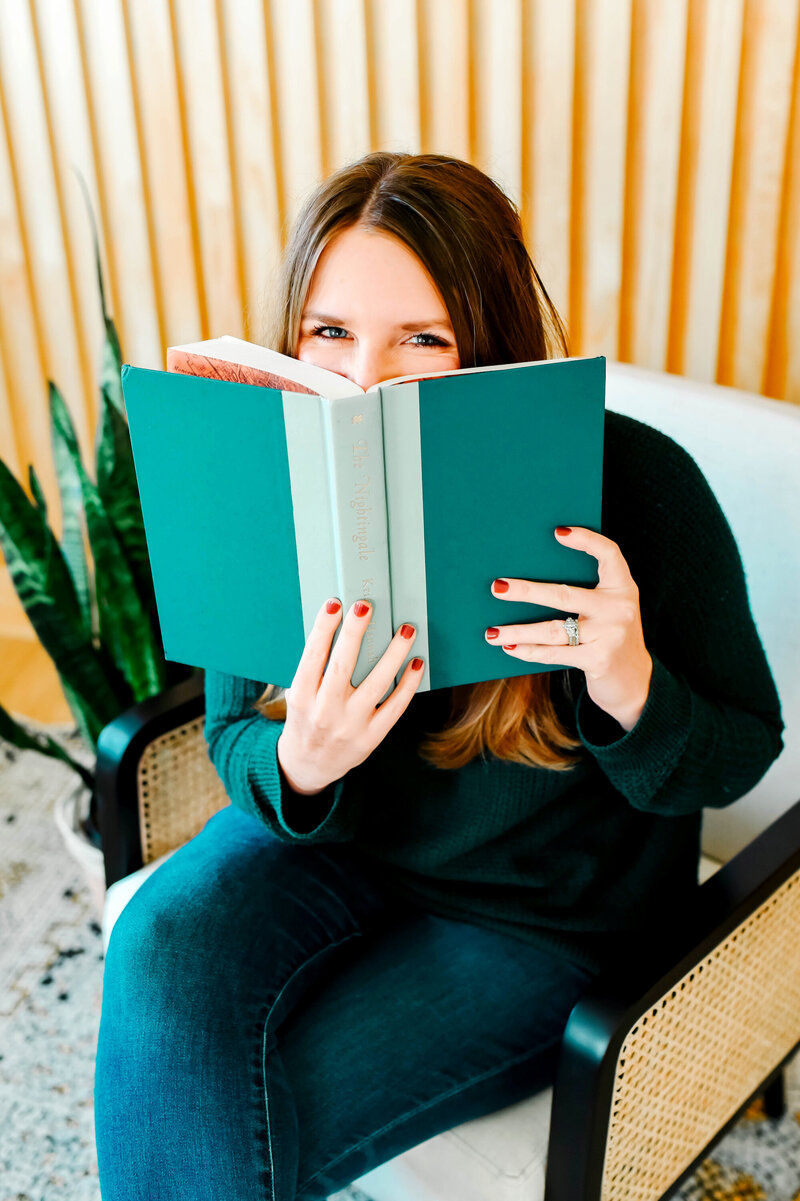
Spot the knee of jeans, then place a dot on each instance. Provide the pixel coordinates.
(148, 931)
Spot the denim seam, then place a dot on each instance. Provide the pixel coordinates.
(434, 1101)
(296, 972)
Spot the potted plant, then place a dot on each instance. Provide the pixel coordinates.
(97, 620)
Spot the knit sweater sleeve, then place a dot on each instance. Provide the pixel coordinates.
(711, 725)
(242, 745)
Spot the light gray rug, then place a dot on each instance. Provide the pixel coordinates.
(51, 971)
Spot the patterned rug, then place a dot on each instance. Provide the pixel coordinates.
(51, 972)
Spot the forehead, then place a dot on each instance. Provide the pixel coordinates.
(372, 272)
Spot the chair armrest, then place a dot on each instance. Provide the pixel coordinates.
(662, 1054)
(155, 783)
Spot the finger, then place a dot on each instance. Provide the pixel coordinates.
(561, 656)
(342, 663)
(612, 567)
(548, 633)
(395, 705)
(309, 672)
(567, 597)
(380, 679)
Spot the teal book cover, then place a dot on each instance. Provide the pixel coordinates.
(259, 504)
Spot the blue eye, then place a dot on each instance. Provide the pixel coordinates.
(434, 341)
(317, 331)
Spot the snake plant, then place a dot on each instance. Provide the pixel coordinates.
(98, 623)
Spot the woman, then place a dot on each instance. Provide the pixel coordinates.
(383, 935)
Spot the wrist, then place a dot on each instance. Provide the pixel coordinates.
(291, 780)
(628, 717)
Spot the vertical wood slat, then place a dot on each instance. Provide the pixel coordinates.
(255, 150)
(782, 377)
(652, 150)
(57, 47)
(201, 48)
(395, 94)
(293, 42)
(344, 91)
(124, 228)
(167, 194)
(40, 337)
(769, 38)
(713, 55)
(496, 37)
(602, 50)
(548, 72)
(445, 89)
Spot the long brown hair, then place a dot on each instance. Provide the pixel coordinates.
(467, 234)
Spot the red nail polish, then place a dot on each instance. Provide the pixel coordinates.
(407, 631)
(416, 664)
(360, 609)
(512, 646)
(500, 585)
(492, 632)
(563, 529)
(332, 606)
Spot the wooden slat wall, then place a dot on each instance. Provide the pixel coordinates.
(651, 145)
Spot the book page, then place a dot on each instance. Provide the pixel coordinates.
(187, 363)
(413, 379)
(227, 351)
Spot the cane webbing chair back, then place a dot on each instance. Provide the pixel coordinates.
(709, 1041)
(178, 789)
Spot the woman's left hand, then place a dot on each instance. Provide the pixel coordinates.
(611, 653)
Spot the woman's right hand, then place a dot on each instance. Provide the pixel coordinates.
(331, 726)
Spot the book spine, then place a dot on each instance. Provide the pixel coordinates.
(335, 450)
(402, 446)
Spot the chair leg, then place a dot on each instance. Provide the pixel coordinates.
(775, 1097)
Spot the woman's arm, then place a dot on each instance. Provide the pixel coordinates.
(711, 725)
(242, 745)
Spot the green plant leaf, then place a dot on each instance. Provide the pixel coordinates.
(36, 491)
(125, 627)
(119, 492)
(111, 365)
(15, 734)
(111, 358)
(44, 586)
(69, 486)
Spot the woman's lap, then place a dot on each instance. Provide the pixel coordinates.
(280, 1041)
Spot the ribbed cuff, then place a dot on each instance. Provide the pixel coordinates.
(638, 761)
(309, 818)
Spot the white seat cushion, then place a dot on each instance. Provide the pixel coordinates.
(121, 891)
(499, 1157)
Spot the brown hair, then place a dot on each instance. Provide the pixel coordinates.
(467, 234)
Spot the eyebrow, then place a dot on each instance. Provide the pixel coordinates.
(407, 325)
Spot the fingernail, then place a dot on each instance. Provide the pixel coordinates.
(360, 608)
(407, 631)
(492, 632)
(500, 585)
(563, 530)
(332, 606)
(416, 664)
(512, 646)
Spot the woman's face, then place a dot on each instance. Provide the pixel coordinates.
(373, 312)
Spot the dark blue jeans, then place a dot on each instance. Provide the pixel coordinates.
(274, 1025)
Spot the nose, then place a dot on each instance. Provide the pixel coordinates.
(369, 365)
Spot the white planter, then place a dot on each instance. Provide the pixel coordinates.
(69, 810)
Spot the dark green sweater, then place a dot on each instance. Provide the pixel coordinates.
(570, 859)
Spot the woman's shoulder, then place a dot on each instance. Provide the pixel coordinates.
(658, 506)
(641, 448)
(645, 468)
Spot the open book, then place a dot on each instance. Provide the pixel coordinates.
(268, 485)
